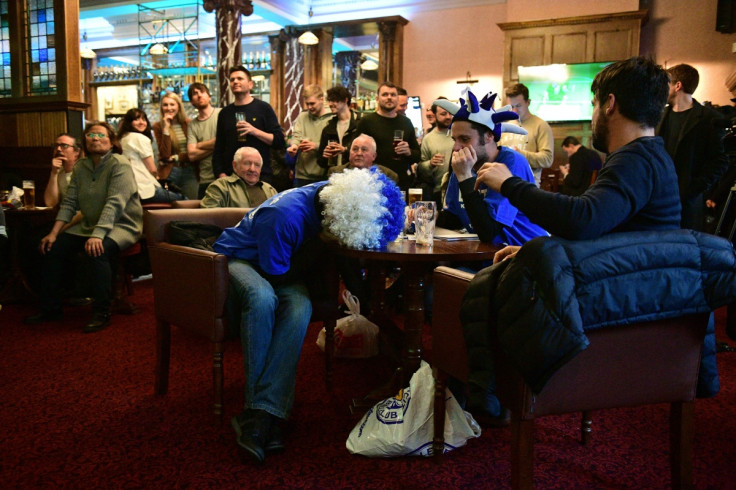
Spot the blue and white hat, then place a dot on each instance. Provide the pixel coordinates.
(482, 113)
(362, 208)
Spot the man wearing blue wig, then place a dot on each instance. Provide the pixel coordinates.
(476, 129)
(271, 252)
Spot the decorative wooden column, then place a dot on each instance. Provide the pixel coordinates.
(278, 48)
(229, 37)
(318, 60)
(391, 51)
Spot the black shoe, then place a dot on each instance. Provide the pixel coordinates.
(99, 321)
(43, 316)
(252, 427)
(275, 442)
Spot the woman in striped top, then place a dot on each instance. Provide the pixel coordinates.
(171, 137)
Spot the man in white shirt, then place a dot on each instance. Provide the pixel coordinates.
(66, 154)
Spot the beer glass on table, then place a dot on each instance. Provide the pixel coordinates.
(29, 194)
(425, 216)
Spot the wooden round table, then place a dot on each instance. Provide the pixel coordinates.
(415, 261)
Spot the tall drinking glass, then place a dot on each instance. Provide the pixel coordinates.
(29, 194)
(240, 116)
(425, 216)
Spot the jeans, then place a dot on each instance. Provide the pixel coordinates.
(185, 178)
(99, 271)
(273, 321)
(163, 195)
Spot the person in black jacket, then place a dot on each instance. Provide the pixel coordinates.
(693, 143)
(341, 130)
(578, 174)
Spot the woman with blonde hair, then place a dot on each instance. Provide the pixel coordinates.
(171, 137)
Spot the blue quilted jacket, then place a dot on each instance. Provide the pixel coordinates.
(544, 300)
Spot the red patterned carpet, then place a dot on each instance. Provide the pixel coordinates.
(78, 411)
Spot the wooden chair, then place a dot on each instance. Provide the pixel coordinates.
(630, 365)
(188, 204)
(190, 288)
(122, 287)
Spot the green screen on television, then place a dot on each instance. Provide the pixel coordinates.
(560, 92)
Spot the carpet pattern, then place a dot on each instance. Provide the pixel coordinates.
(78, 411)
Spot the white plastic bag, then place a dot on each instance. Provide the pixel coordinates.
(355, 335)
(404, 424)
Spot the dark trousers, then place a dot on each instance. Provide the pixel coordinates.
(99, 271)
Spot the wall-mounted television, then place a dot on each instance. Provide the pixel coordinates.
(561, 93)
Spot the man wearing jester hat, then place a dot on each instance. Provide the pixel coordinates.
(476, 128)
(271, 253)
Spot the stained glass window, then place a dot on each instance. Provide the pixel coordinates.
(41, 59)
(4, 49)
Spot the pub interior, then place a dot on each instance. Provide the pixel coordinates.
(68, 62)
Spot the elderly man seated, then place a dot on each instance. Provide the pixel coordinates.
(242, 189)
(362, 155)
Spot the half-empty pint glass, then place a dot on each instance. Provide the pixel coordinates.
(425, 215)
(29, 194)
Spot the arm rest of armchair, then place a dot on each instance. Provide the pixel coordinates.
(190, 287)
(449, 353)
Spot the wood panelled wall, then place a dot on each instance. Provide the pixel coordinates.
(585, 39)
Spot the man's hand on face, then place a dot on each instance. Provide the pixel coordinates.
(492, 175)
(57, 163)
(463, 161)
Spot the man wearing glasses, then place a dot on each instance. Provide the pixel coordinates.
(66, 154)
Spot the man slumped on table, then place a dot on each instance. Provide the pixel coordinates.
(271, 252)
(476, 129)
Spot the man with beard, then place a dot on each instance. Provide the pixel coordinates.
(476, 129)
(637, 187)
(201, 134)
(382, 124)
(436, 151)
(636, 190)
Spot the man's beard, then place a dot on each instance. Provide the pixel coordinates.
(600, 134)
(385, 108)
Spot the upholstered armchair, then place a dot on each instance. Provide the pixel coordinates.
(629, 365)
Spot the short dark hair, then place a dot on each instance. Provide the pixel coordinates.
(338, 93)
(239, 68)
(401, 91)
(686, 75)
(76, 140)
(518, 89)
(387, 84)
(481, 129)
(639, 85)
(570, 141)
(197, 86)
(435, 106)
